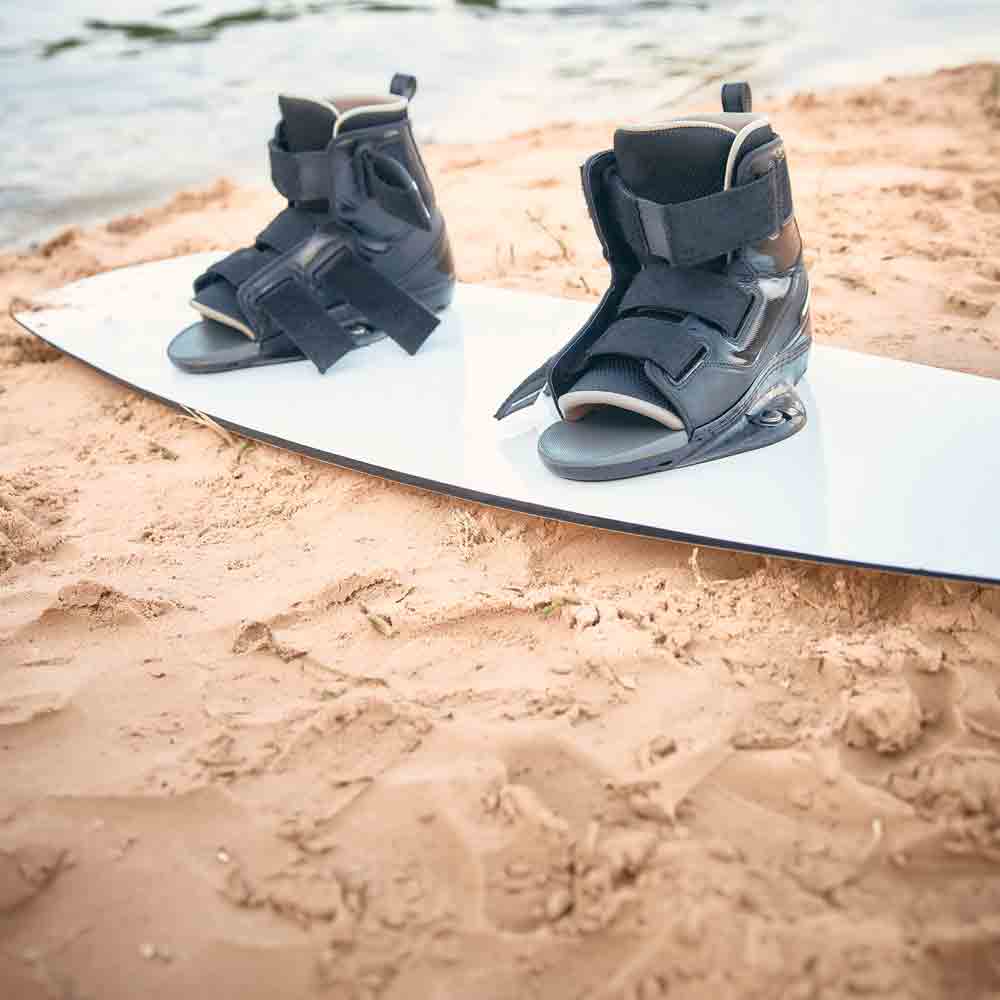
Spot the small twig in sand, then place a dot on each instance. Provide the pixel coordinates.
(380, 623)
(805, 600)
(696, 569)
(863, 864)
(206, 421)
(504, 265)
(991, 99)
(155, 448)
(468, 533)
(548, 608)
(20, 305)
(536, 218)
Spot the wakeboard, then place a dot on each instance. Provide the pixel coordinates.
(898, 466)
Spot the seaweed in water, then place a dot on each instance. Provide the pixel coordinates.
(63, 45)
(140, 30)
(248, 16)
(137, 30)
(165, 34)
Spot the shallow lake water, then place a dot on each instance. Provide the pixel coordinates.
(113, 105)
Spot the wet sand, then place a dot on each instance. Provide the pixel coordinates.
(289, 730)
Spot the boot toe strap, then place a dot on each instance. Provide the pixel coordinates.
(288, 294)
(672, 326)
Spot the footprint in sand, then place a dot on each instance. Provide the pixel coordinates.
(100, 605)
(25, 871)
(956, 792)
(973, 302)
(896, 720)
(988, 201)
(20, 708)
(578, 845)
(24, 534)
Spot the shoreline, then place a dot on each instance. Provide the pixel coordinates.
(579, 763)
(772, 90)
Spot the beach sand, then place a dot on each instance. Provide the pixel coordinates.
(273, 729)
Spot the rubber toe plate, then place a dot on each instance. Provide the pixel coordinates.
(210, 346)
(603, 440)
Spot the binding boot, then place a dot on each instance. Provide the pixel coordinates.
(359, 253)
(695, 349)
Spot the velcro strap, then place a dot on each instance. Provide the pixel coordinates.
(286, 230)
(301, 176)
(288, 295)
(649, 338)
(305, 322)
(384, 304)
(692, 232)
(704, 294)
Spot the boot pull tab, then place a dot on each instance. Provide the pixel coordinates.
(737, 97)
(403, 85)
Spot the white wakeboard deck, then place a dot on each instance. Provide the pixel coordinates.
(897, 468)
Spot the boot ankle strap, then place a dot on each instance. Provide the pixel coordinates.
(309, 176)
(302, 176)
(691, 232)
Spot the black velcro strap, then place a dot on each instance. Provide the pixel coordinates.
(385, 305)
(692, 232)
(650, 338)
(286, 230)
(301, 176)
(306, 323)
(288, 295)
(703, 294)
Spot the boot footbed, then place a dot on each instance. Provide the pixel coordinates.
(218, 301)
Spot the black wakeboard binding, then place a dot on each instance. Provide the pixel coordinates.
(359, 253)
(696, 347)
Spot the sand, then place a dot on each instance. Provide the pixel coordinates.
(273, 729)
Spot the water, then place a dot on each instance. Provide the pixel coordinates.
(115, 104)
